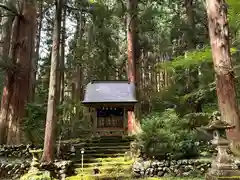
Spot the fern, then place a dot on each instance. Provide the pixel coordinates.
(165, 133)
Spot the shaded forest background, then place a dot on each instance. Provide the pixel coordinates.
(87, 40)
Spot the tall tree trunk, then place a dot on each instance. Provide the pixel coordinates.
(17, 81)
(191, 42)
(38, 41)
(132, 5)
(62, 54)
(23, 53)
(78, 72)
(50, 129)
(225, 83)
(5, 39)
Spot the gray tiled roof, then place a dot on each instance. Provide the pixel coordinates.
(110, 92)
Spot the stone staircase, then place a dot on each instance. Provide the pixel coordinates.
(104, 158)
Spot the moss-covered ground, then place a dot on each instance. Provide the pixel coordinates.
(122, 178)
(112, 168)
(107, 155)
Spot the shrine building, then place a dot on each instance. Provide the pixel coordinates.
(107, 104)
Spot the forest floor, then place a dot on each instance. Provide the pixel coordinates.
(150, 178)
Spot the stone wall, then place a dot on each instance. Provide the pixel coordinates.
(14, 169)
(22, 151)
(15, 161)
(150, 168)
(19, 151)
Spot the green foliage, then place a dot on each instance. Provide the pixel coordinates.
(190, 59)
(165, 134)
(162, 31)
(72, 122)
(234, 13)
(34, 122)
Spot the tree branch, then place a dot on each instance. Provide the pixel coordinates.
(8, 9)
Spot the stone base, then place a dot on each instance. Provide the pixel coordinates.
(214, 174)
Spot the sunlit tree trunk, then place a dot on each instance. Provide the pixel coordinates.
(50, 129)
(225, 84)
(132, 5)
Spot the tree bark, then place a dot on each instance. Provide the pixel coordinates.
(22, 54)
(62, 54)
(78, 71)
(132, 5)
(50, 129)
(225, 83)
(17, 82)
(38, 41)
(191, 41)
(5, 39)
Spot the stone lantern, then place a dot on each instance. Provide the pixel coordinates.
(223, 165)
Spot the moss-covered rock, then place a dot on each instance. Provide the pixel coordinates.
(40, 175)
(79, 177)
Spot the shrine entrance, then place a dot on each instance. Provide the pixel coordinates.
(108, 103)
(109, 117)
(108, 120)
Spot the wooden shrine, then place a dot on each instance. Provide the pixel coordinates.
(107, 104)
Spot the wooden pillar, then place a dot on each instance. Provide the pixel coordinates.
(94, 116)
(125, 121)
(89, 116)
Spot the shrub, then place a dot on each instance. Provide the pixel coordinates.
(165, 135)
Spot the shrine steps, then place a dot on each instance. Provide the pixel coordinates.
(114, 161)
(106, 154)
(104, 147)
(112, 168)
(109, 140)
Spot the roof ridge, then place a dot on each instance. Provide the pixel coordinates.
(109, 81)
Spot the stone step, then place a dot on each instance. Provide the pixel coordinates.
(107, 147)
(103, 151)
(109, 167)
(104, 163)
(101, 145)
(100, 158)
(106, 172)
(104, 168)
(110, 159)
(108, 140)
(101, 155)
(106, 176)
